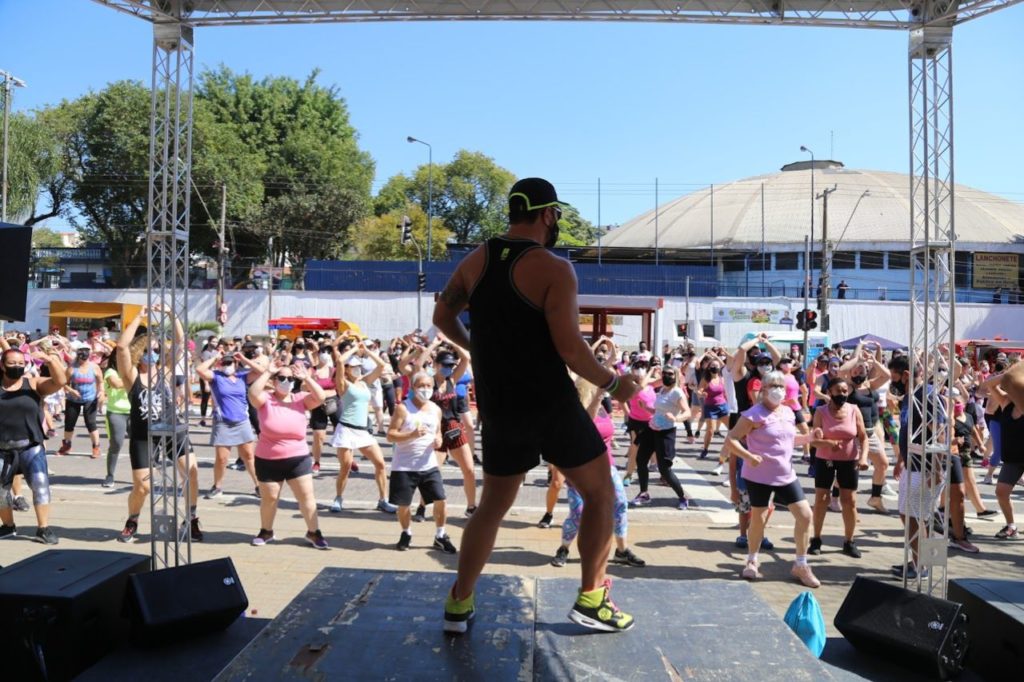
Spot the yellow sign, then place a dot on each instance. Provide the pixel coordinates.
(995, 270)
(588, 320)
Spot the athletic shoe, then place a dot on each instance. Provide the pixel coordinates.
(963, 545)
(545, 521)
(214, 492)
(890, 491)
(1008, 533)
(742, 542)
(652, 466)
(604, 616)
(19, 503)
(833, 505)
(46, 536)
(690, 440)
(470, 511)
(626, 558)
(354, 468)
(8, 531)
(986, 513)
(420, 515)
(65, 447)
(767, 545)
(336, 505)
(256, 492)
(641, 500)
(239, 465)
(386, 507)
(988, 479)
(404, 540)
(877, 504)
(262, 538)
(457, 614)
(108, 482)
(130, 532)
(717, 471)
(850, 549)
(683, 505)
(316, 539)
(316, 467)
(703, 454)
(810, 471)
(627, 481)
(95, 453)
(195, 531)
(477, 460)
(444, 544)
(815, 546)
(910, 571)
(804, 574)
(750, 571)
(561, 557)
(202, 422)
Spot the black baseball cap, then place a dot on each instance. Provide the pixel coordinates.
(530, 194)
(447, 358)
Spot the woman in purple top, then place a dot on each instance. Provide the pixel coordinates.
(764, 438)
(231, 426)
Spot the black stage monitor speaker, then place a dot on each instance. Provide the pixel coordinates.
(62, 610)
(15, 253)
(904, 627)
(995, 609)
(177, 603)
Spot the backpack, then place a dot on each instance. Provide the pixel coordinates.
(804, 618)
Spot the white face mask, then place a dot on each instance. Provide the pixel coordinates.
(284, 385)
(227, 370)
(325, 358)
(775, 395)
(430, 371)
(763, 369)
(424, 394)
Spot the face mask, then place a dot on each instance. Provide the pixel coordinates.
(552, 236)
(839, 400)
(712, 370)
(424, 394)
(943, 373)
(325, 358)
(638, 372)
(763, 369)
(227, 370)
(430, 371)
(858, 379)
(82, 357)
(14, 373)
(355, 373)
(602, 359)
(447, 371)
(668, 379)
(149, 358)
(775, 395)
(284, 385)
(958, 409)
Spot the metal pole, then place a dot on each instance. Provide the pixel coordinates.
(7, 116)
(762, 240)
(222, 250)
(807, 289)
(270, 281)
(687, 302)
(715, 274)
(599, 228)
(826, 266)
(430, 201)
(656, 221)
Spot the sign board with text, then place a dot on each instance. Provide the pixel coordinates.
(995, 270)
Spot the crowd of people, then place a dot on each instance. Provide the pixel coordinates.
(280, 405)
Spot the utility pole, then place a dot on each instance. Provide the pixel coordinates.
(826, 265)
(270, 281)
(807, 292)
(221, 255)
(9, 82)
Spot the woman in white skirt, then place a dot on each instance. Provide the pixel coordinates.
(231, 426)
(353, 430)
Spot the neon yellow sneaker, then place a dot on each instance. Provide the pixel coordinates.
(458, 613)
(597, 611)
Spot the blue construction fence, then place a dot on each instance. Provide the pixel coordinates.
(605, 279)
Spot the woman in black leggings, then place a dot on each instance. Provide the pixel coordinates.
(659, 438)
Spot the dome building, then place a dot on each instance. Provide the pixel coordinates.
(753, 230)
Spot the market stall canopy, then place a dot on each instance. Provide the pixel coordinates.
(885, 344)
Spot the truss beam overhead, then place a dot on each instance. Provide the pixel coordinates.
(170, 161)
(932, 300)
(879, 14)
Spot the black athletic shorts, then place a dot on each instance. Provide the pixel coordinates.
(404, 484)
(280, 470)
(636, 428)
(761, 493)
(563, 435)
(319, 419)
(138, 451)
(827, 471)
(801, 418)
(956, 471)
(1010, 473)
(734, 419)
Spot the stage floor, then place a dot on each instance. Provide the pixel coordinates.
(382, 625)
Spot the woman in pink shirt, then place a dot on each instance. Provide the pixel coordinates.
(282, 453)
(639, 410)
(764, 438)
(842, 452)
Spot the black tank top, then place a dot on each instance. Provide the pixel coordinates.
(519, 374)
(867, 403)
(139, 417)
(743, 402)
(21, 415)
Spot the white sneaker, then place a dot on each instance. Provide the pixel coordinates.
(717, 471)
(888, 490)
(336, 505)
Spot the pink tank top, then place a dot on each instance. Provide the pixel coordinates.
(644, 397)
(792, 399)
(282, 428)
(844, 429)
(714, 393)
(606, 428)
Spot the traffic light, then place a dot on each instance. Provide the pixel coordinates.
(801, 320)
(406, 227)
(806, 320)
(421, 281)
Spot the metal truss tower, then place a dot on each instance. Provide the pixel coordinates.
(170, 163)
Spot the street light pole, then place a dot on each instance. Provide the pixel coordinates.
(808, 151)
(430, 194)
(9, 82)
(270, 281)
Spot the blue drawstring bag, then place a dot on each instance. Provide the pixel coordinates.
(804, 618)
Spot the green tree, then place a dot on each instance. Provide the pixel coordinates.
(38, 165)
(45, 238)
(574, 230)
(379, 237)
(470, 195)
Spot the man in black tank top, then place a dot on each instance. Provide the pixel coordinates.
(525, 320)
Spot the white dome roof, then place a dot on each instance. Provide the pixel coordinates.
(882, 218)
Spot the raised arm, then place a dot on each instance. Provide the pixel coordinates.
(257, 390)
(57, 379)
(125, 369)
(205, 368)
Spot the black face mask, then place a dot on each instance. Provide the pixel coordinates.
(14, 373)
(82, 357)
(712, 370)
(552, 236)
(668, 379)
(839, 400)
(899, 388)
(858, 379)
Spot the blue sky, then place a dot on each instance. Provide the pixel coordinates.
(688, 104)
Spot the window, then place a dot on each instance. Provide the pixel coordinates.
(844, 260)
(787, 261)
(734, 263)
(872, 260)
(816, 260)
(962, 276)
(756, 261)
(899, 260)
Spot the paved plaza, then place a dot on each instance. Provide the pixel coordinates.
(677, 545)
